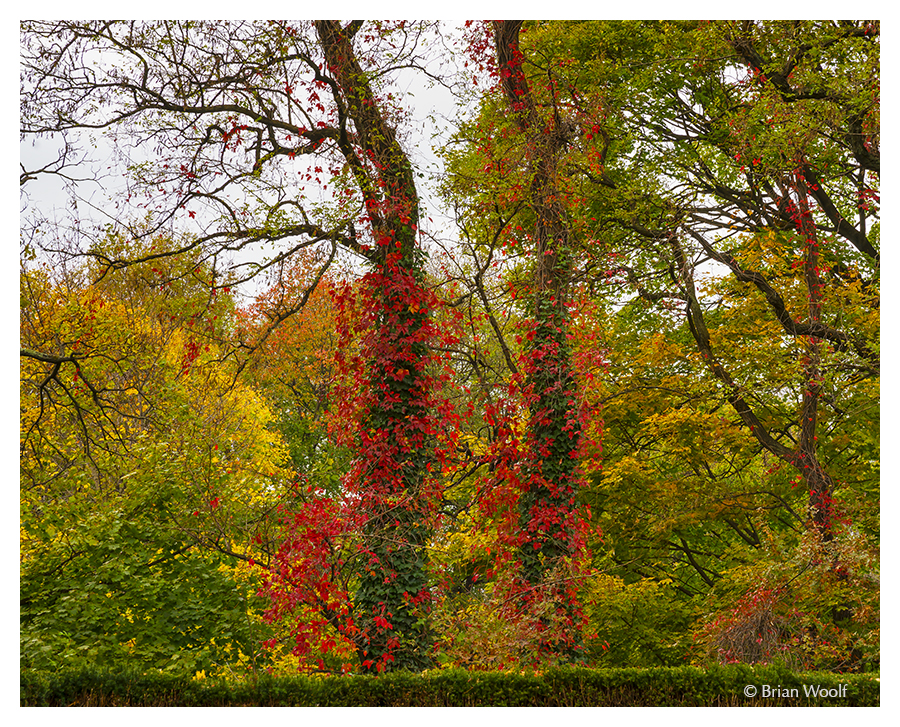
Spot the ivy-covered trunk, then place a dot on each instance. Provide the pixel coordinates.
(395, 498)
(547, 507)
(391, 480)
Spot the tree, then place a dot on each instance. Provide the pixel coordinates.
(751, 152)
(517, 245)
(750, 145)
(145, 471)
(548, 504)
(229, 107)
(294, 363)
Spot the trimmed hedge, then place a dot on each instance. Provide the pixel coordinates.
(565, 687)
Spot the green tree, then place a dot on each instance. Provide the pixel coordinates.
(751, 155)
(145, 472)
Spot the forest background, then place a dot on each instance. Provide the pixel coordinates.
(678, 551)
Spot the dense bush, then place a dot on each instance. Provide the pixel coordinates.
(567, 687)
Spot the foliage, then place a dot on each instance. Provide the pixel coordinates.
(642, 624)
(811, 607)
(292, 337)
(668, 250)
(144, 469)
(567, 687)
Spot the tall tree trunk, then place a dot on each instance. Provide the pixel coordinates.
(804, 456)
(819, 484)
(547, 508)
(391, 598)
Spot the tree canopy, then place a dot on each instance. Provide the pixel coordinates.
(622, 409)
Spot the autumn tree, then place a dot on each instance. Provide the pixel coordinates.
(548, 506)
(278, 134)
(145, 471)
(803, 174)
(752, 151)
(749, 149)
(514, 264)
(294, 362)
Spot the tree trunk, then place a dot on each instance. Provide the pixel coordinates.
(391, 598)
(548, 506)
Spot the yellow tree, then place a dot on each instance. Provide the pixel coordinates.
(145, 472)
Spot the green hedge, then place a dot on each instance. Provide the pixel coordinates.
(567, 687)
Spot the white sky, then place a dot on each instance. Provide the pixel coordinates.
(431, 109)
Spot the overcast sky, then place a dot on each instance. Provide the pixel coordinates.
(431, 106)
